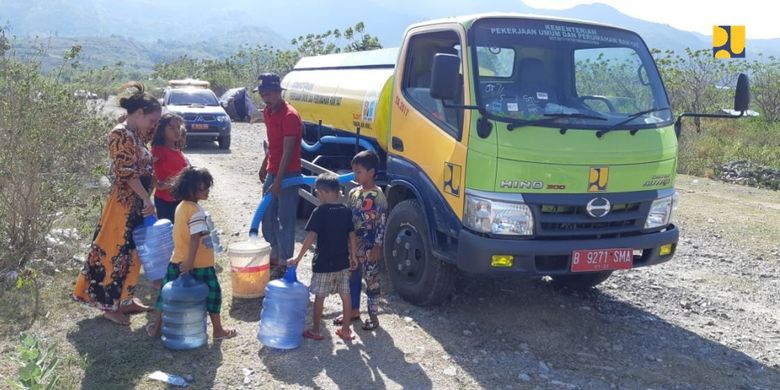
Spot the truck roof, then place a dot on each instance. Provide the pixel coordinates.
(386, 58)
(382, 58)
(467, 20)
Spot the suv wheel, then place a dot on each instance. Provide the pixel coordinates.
(224, 142)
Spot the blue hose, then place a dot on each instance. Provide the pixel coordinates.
(330, 139)
(254, 228)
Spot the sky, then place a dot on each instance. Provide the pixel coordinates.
(691, 15)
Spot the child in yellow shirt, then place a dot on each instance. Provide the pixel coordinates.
(193, 250)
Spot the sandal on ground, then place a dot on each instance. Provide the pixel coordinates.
(153, 331)
(308, 334)
(370, 324)
(135, 307)
(229, 334)
(117, 318)
(346, 336)
(338, 321)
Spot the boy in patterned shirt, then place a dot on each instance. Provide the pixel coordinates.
(369, 208)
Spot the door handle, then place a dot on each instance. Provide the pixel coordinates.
(398, 144)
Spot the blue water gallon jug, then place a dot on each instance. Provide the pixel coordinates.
(154, 242)
(283, 316)
(184, 313)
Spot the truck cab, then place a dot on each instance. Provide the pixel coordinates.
(511, 144)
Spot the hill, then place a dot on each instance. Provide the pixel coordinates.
(145, 31)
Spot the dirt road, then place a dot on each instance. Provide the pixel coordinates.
(706, 320)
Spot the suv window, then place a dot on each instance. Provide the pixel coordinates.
(203, 97)
(417, 79)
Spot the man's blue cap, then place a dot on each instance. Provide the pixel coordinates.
(268, 82)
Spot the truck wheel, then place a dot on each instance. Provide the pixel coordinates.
(580, 282)
(416, 274)
(224, 142)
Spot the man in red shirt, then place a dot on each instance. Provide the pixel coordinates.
(283, 160)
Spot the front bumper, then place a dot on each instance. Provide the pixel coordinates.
(214, 131)
(553, 257)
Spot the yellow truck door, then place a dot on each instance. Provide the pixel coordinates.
(423, 131)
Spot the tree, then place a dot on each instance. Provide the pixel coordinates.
(331, 41)
(697, 82)
(765, 88)
(243, 67)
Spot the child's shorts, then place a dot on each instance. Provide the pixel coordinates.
(206, 275)
(326, 283)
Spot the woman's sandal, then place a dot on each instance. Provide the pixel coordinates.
(311, 335)
(153, 330)
(135, 307)
(229, 334)
(370, 324)
(338, 321)
(348, 336)
(117, 318)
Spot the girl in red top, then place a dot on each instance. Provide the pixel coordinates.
(168, 162)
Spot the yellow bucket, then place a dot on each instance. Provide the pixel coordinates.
(249, 268)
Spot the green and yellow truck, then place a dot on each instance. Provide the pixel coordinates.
(509, 144)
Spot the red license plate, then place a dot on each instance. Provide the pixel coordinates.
(601, 259)
(200, 126)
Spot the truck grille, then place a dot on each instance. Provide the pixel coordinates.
(567, 217)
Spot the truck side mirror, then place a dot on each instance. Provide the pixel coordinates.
(444, 76)
(742, 94)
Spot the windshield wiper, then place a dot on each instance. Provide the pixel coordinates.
(629, 119)
(551, 117)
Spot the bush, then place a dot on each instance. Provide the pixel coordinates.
(50, 143)
(241, 69)
(36, 366)
(727, 140)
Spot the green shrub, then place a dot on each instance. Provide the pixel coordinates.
(722, 141)
(36, 365)
(50, 143)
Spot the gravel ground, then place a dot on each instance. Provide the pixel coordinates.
(707, 319)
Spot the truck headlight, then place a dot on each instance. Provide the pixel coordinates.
(223, 118)
(661, 211)
(495, 217)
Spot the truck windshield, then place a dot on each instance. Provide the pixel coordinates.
(582, 76)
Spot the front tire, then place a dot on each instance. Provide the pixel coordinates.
(224, 142)
(416, 274)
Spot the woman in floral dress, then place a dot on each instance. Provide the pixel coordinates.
(110, 273)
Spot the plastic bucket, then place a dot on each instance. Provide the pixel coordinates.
(249, 268)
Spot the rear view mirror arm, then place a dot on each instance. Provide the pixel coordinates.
(464, 107)
(678, 122)
(484, 127)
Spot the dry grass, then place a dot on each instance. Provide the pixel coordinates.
(745, 216)
(96, 353)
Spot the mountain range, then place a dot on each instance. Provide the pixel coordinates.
(157, 30)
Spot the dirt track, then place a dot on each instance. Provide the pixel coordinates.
(706, 320)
